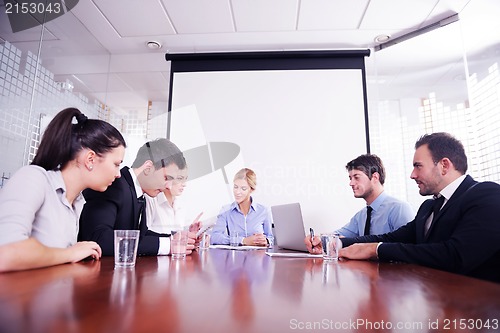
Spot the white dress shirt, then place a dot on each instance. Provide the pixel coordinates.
(164, 217)
(164, 246)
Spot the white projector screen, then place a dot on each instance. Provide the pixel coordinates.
(295, 127)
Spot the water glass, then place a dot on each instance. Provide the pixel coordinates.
(331, 245)
(126, 242)
(178, 244)
(205, 240)
(234, 239)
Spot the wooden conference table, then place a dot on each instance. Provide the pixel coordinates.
(245, 291)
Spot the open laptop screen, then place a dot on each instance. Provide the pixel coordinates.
(289, 227)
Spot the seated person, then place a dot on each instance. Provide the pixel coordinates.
(456, 231)
(252, 221)
(122, 205)
(366, 178)
(165, 213)
(41, 204)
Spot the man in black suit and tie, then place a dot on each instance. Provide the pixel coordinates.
(457, 231)
(121, 206)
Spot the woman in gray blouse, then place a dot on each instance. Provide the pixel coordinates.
(41, 203)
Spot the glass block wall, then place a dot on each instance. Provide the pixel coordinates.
(30, 97)
(471, 114)
(476, 125)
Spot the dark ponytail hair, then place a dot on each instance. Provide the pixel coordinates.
(62, 139)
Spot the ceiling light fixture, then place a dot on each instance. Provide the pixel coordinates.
(382, 38)
(439, 24)
(153, 45)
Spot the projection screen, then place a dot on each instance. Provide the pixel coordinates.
(295, 118)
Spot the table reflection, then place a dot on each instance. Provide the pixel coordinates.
(238, 291)
(44, 299)
(243, 273)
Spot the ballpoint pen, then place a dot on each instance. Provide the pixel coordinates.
(311, 231)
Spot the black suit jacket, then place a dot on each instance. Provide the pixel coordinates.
(464, 238)
(117, 208)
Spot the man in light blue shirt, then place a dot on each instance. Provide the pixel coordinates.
(388, 214)
(367, 177)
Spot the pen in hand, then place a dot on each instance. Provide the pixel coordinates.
(311, 231)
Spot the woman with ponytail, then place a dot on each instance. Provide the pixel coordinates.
(41, 203)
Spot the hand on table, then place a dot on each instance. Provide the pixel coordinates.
(255, 240)
(359, 251)
(82, 250)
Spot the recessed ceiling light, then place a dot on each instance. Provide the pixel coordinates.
(382, 38)
(154, 45)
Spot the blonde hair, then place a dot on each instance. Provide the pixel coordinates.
(249, 176)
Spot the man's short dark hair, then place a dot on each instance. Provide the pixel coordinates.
(162, 152)
(368, 164)
(443, 145)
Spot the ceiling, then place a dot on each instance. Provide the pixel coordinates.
(100, 45)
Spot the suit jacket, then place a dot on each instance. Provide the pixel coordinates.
(464, 238)
(117, 208)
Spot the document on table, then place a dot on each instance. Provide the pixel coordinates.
(239, 248)
(294, 255)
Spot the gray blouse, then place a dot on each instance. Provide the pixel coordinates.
(33, 204)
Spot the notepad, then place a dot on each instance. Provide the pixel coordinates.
(294, 255)
(239, 248)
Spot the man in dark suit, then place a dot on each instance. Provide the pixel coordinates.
(457, 231)
(122, 205)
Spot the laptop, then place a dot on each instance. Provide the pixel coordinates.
(289, 229)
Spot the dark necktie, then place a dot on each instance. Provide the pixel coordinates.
(368, 220)
(142, 212)
(436, 207)
(438, 203)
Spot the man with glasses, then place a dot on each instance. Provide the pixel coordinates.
(122, 205)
